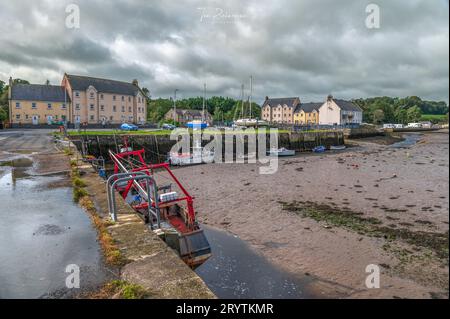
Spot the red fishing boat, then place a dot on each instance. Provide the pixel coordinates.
(166, 205)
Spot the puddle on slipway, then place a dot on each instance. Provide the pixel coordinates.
(236, 271)
(41, 232)
(409, 140)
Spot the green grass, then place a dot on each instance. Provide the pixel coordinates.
(434, 117)
(158, 132)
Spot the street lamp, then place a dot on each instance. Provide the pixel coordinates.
(175, 107)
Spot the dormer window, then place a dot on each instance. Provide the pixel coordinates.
(17, 105)
(77, 94)
(33, 105)
(91, 95)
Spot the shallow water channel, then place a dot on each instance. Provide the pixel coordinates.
(41, 232)
(236, 271)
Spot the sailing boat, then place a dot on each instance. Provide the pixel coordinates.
(248, 122)
(200, 124)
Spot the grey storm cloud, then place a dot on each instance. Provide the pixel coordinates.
(303, 48)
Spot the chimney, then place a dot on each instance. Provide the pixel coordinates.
(135, 82)
(10, 81)
(329, 97)
(267, 98)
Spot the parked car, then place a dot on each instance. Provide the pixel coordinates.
(168, 126)
(128, 127)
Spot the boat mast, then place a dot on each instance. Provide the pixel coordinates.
(251, 91)
(242, 101)
(204, 98)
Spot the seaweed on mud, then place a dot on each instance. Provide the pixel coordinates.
(370, 226)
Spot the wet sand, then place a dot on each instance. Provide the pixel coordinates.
(405, 190)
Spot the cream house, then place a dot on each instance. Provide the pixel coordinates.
(79, 99)
(339, 112)
(96, 100)
(37, 104)
(279, 110)
(184, 116)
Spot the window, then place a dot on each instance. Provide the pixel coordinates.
(129, 99)
(114, 97)
(139, 99)
(129, 109)
(91, 107)
(33, 105)
(101, 96)
(49, 106)
(123, 98)
(91, 95)
(77, 106)
(26, 116)
(17, 105)
(17, 116)
(63, 106)
(111, 118)
(77, 94)
(92, 117)
(102, 107)
(114, 108)
(123, 108)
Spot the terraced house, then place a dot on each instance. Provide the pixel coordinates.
(37, 104)
(279, 110)
(79, 99)
(307, 113)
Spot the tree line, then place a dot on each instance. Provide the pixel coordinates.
(378, 110)
(222, 109)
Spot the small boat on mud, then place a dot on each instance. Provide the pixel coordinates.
(198, 156)
(319, 149)
(280, 152)
(168, 205)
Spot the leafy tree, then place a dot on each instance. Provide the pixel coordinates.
(3, 115)
(378, 116)
(414, 114)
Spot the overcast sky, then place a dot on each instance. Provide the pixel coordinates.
(306, 48)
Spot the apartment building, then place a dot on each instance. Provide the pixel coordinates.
(37, 104)
(279, 110)
(79, 99)
(307, 113)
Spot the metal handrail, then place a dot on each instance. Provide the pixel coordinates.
(115, 176)
(148, 179)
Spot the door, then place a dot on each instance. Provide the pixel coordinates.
(35, 120)
(49, 119)
(77, 119)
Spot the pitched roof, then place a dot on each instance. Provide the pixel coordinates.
(308, 107)
(347, 105)
(289, 101)
(39, 92)
(81, 83)
(191, 112)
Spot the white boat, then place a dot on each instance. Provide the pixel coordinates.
(280, 152)
(337, 147)
(198, 156)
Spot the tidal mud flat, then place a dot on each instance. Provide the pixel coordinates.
(331, 215)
